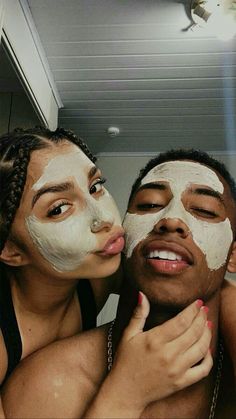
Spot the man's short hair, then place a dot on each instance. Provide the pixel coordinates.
(191, 154)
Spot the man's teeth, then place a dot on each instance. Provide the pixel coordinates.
(164, 254)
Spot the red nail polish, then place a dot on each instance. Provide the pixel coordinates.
(199, 303)
(140, 298)
(209, 324)
(205, 308)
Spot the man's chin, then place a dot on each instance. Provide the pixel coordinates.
(169, 295)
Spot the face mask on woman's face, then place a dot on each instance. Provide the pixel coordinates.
(63, 236)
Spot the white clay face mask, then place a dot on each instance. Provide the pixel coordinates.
(214, 239)
(65, 244)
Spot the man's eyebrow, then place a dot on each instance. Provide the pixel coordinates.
(61, 187)
(153, 185)
(208, 192)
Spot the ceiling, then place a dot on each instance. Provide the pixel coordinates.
(134, 65)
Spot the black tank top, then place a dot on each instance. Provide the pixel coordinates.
(9, 326)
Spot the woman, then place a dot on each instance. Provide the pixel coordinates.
(58, 226)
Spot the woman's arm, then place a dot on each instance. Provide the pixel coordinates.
(68, 377)
(228, 318)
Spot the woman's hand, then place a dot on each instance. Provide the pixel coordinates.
(152, 365)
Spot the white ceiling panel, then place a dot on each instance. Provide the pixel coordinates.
(136, 65)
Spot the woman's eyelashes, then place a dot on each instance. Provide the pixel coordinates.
(58, 209)
(62, 207)
(96, 186)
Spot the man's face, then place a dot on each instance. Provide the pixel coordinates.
(179, 232)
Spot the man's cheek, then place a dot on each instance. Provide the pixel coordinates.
(213, 239)
(137, 227)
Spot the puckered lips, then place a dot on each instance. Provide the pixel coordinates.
(114, 245)
(167, 257)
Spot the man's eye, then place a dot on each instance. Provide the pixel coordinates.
(97, 186)
(58, 209)
(205, 213)
(148, 206)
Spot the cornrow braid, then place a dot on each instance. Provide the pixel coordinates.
(15, 185)
(70, 136)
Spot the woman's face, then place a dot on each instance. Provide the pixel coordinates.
(54, 225)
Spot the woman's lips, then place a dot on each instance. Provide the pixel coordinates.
(114, 245)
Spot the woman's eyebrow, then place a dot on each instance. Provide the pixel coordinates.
(93, 171)
(61, 187)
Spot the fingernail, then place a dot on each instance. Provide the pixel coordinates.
(199, 303)
(205, 309)
(209, 324)
(140, 298)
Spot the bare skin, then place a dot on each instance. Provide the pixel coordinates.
(56, 388)
(193, 279)
(44, 298)
(60, 306)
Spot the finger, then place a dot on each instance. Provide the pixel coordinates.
(196, 373)
(192, 335)
(175, 327)
(198, 351)
(138, 319)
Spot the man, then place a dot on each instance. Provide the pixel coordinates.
(180, 239)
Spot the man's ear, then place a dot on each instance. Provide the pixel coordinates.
(12, 255)
(232, 261)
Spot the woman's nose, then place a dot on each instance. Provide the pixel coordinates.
(172, 225)
(98, 225)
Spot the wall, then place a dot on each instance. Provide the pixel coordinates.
(20, 38)
(121, 171)
(22, 112)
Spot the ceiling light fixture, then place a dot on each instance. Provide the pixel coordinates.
(113, 131)
(218, 17)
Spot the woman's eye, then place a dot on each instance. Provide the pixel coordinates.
(59, 209)
(97, 186)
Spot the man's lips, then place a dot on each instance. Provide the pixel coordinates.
(114, 245)
(167, 257)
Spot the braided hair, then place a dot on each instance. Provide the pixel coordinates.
(15, 151)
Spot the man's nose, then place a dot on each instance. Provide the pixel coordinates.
(99, 225)
(172, 225)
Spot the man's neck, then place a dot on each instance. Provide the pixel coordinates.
(159, 313)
